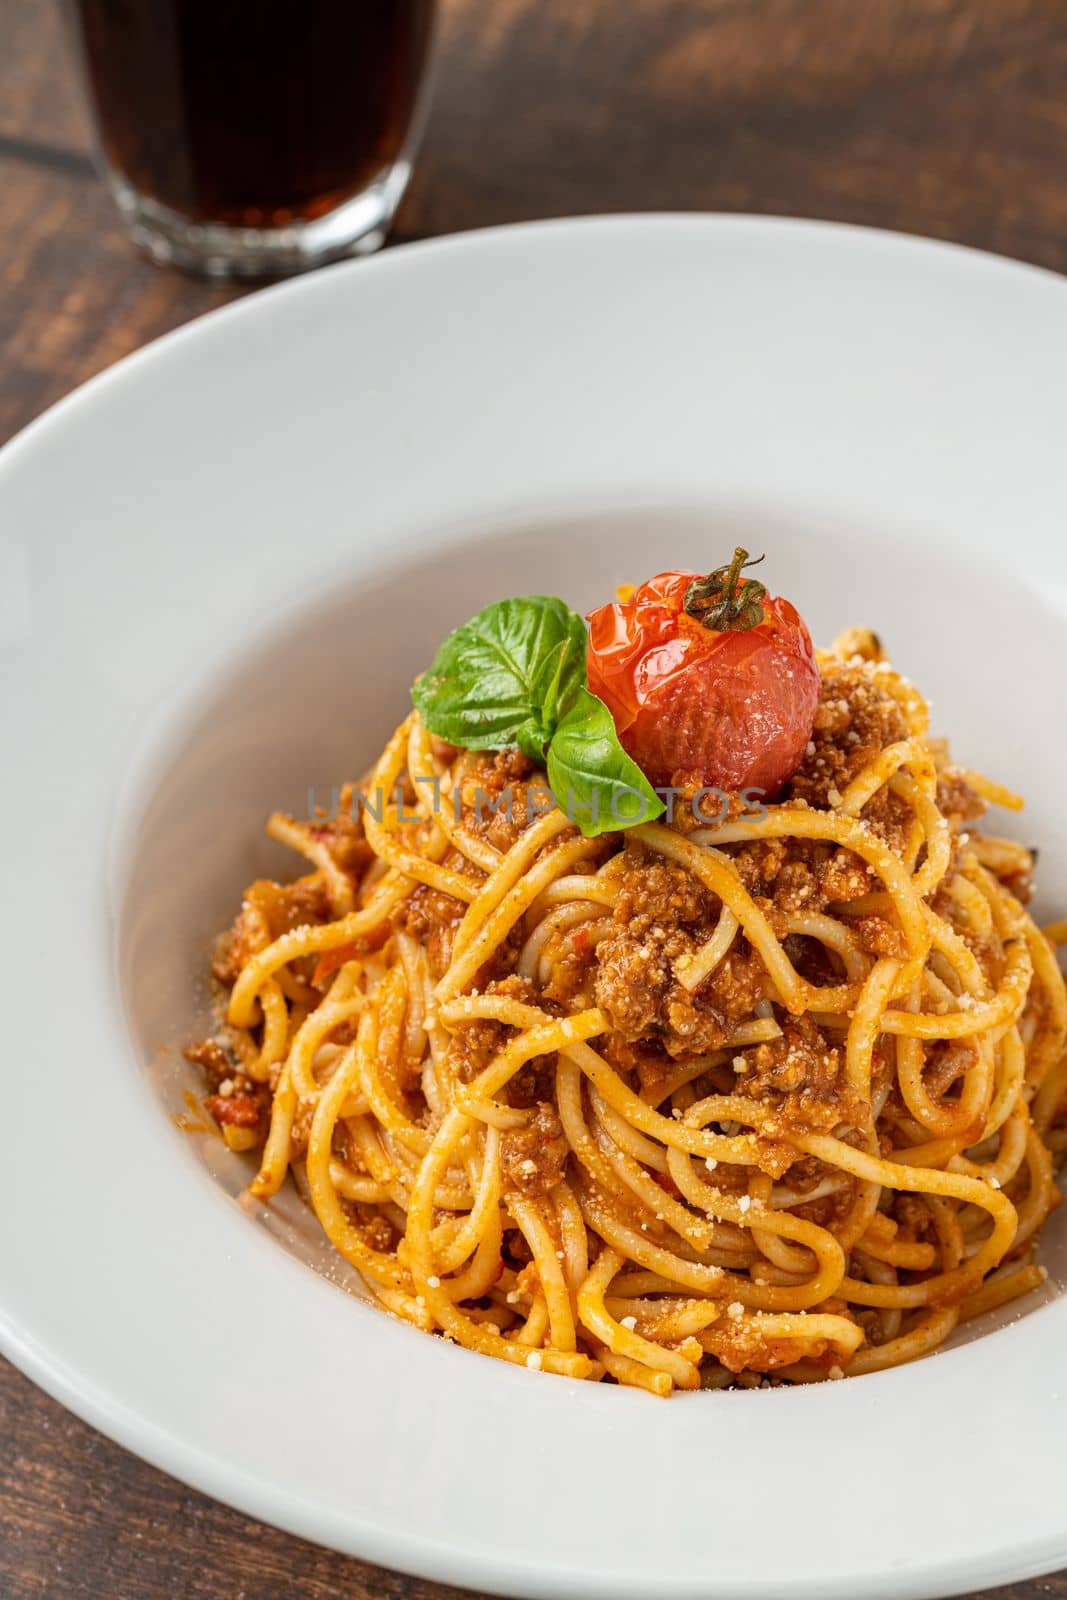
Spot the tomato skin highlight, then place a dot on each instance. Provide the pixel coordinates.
(732, 709)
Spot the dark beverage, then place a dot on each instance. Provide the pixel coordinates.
(254, 114)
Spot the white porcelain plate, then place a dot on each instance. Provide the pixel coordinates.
(222, 564)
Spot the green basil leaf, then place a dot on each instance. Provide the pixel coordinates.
(568, 677)
(515, 676)
(593, 779)
(502, 678)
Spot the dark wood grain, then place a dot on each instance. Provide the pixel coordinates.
(83, 1520)
(941, 117)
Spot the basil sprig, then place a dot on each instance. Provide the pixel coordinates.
(514, 677)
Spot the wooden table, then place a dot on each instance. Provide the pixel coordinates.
(941, 117)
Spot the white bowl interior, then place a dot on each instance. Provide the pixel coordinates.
(314, 700)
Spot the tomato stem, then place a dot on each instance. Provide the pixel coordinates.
(723, 601)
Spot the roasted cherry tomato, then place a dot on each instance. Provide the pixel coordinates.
(707, 678)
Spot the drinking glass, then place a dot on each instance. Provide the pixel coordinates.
(256, 137)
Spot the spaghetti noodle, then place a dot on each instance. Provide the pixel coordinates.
(719, 1099)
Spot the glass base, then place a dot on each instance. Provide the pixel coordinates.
(214, 250)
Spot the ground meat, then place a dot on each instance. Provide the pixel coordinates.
(690, 1025)
(534, 1082)
(234, 1100)
(655, 891)
(807, 1173)
(571, 964)
(913, 1216)
(646, 1057)
(432, 918)
(533, 1157)
(497, 804)
(212, 1059)
(845, 876)
(737, 985)
(474, 1045)
(797, 887)
(880, 937)
(782, 870)
(343, 835)
(794, 876)
(956, 799)
(635, 985)
(890, 817)
(663, 915)
(856, 718)
(690, 805)
(945, 1062)
(739, 1344)
(235, 1110)
(521, 989)
(634, 978)
(801, 1076)
(800, 1061)
(270, 909)
(379, 1233)
(828, 1211)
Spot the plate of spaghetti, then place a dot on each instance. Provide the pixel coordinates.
(542, 1030)
(763, 1092)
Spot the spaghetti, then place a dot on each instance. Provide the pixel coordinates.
(721, 1098)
